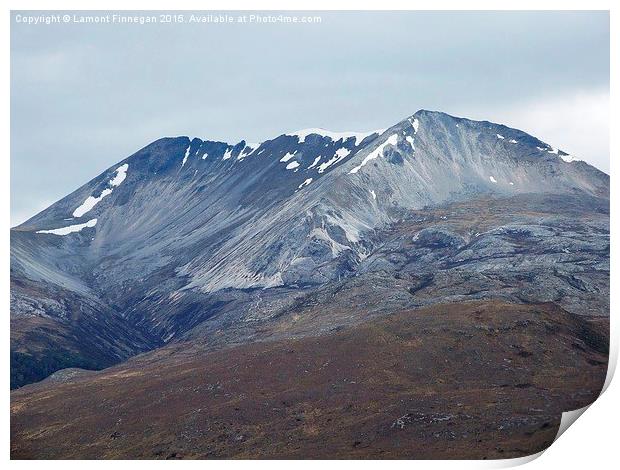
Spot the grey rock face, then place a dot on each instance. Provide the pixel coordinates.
(186, 234)
(530, 248)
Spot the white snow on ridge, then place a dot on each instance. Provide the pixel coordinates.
(555, 151)
(335, 136)
(91, 201)
(341, 153)
(70, 229)
(415, 124)
(288, 156)
(567, 158)
(227, 154)
(314, 163)
(121, 174)
(410, 140)
(493, 180)
(570, 158)
(185, 157)
(243, 153)
(512, 141)
(305, 183)
(393, 140)
(292, 165)
(499, 136)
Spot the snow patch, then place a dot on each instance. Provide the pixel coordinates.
(393, 139)
(305, 183)
(70, 229)
(499, 136)
(493, 180)
(288, 156)
(570, 158)
(227, 154)
(186, 155)
(292, 165)
(372, 192)
(410, 140)
(244, 152)
(314, 163)
(341, 153)
(512, 141)
(205, 156)
(415, 124)
(121, 174)
(91, 201)
(511, 183)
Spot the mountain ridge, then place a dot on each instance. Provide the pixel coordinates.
(237, 149)
(186, 232)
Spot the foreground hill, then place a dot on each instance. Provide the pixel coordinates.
(470, 380)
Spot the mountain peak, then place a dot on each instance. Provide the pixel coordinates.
(448, 155)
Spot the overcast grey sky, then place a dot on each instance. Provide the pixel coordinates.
(84, 97)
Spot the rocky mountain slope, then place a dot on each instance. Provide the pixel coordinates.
(202, 240)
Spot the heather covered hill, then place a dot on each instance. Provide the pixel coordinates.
(469, 380)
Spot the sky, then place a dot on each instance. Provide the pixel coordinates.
(85, 96)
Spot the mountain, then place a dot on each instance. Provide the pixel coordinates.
(437, 289)
(192, 240)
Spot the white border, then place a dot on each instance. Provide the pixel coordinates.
(590, 444)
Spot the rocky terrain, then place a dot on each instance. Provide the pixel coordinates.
(209, 255)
